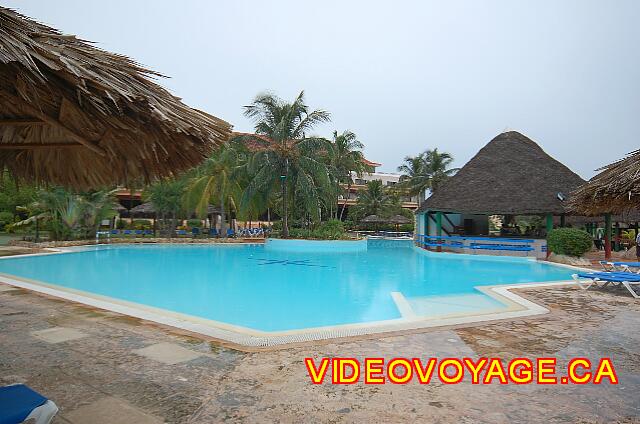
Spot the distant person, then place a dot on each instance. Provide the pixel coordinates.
(638, 246)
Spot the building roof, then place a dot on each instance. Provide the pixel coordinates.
(510, 175)
(615, 189)
(76, 115)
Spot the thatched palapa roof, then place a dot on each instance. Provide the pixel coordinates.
(614, 190)
(511, 175)
(147, 208)
(76, 115)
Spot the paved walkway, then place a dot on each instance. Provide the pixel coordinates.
(100, 367)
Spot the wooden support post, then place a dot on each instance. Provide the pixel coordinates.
(549, 223)
(607, 236)
(549, 228)
(439, 227)
(562, 220)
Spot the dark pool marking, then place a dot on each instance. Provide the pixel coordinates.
(299, 262)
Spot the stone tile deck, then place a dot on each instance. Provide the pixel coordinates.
(100, 377)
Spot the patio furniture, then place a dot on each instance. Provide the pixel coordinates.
(626, 266)
(19, 403)
(230, 232)
(195, 232)
(607, 266)
(586, 280)
(213, 232)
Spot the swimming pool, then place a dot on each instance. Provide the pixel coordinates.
(279, 288)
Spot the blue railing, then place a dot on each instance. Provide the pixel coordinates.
(476, 243)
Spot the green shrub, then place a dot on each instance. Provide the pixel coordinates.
(569, 241)
(330, 230)
(6, 218)
(141, 224)
(191, 223)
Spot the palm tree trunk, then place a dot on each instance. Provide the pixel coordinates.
(223, 221)
(285, 211)
(345, 200)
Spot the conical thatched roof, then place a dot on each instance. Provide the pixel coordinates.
(399, 219)
(148, 209)
(616, 189)
(143, 209)
(373, 219)
(76, 115)
(511, 175)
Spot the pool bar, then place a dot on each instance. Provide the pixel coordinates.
(484, 245)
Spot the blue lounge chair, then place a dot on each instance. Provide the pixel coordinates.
(213, 232)
(195, 232)
(230, 232)
(139, 232)
(588, 279)
(181, 232)
(115, 232)
(625, 266)
(19, 403)
(127, 232)
(148, 232)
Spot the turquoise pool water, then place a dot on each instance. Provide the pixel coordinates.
(272, 290)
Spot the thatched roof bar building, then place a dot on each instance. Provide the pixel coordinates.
(510, 176)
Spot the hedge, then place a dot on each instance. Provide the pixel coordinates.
(569, 241)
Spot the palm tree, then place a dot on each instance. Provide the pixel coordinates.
(375, 200)
(70, 213)
(428, 170)
(97, 206)
(166, 197)
(291, 160)
(437, 165)
(346, 158)
(217, 181)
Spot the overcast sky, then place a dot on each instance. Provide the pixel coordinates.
(403, 75)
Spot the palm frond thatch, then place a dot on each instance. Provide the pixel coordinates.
(76, 115)
(399, 220)
(374, 219)
(511, 175)
(614, 190)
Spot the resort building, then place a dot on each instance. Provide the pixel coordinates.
(510, 188)
(389, 179)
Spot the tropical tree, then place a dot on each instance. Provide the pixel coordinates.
(97, 206)
(70, 214)
(376, 200)
(14, 195)
(427, 171)
(166, 196)
(437, 165)
(291, 160)
(345, 159)
(217, 181)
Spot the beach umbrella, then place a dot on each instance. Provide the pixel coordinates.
(399, 220)
(76, 115)
(616, 189)
(373, 219)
